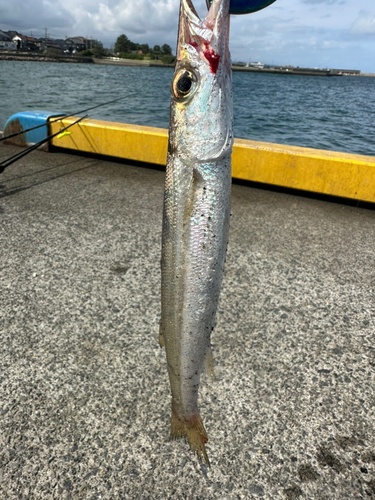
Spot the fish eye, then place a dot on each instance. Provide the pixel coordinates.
(184, 84)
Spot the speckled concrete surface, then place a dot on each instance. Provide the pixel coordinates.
(84, 395)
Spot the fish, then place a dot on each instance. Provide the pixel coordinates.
(196, 209)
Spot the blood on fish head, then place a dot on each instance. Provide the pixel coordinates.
(209, 36)
(209, 54)
(201, 110)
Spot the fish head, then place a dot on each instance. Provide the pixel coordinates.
(201, 126)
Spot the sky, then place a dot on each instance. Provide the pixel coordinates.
(307, 33)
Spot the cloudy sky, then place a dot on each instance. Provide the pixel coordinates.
(312, 33)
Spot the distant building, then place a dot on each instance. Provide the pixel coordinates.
(16, 38)
(69, 45)
(6, 42)
(50, 43)
(12, 40)
(78, 43)
(25, 43)
(257, 65)
(62, 45)
(350, 72)
(13, 36)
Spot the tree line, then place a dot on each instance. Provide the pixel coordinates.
(128, 49)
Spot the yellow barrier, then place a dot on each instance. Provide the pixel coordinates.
(326, 172)
(133, 142)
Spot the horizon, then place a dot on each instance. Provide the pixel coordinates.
(273, 64)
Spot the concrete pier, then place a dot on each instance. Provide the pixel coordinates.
(84, 392)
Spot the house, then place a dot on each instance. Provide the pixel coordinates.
(16, 38)
(23, 42)
(62, 45)
(78, 43)
(12, 40)
(13, 35)
(6, 43)
(28, 43)
(49, 43)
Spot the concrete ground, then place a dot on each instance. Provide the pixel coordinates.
(84, 394)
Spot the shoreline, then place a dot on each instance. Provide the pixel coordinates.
(26, 56)
(148, 63)
(6, 56)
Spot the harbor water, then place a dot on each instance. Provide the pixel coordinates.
(335, 113)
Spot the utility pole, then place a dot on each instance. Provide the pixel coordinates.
(45, 33)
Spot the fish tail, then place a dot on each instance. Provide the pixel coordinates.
(192, 428)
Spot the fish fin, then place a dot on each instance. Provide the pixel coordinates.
(161, 336)
(209, 363)
(193, 430)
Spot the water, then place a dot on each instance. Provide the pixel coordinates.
(336, 113)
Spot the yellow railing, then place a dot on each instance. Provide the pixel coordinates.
(326, 172)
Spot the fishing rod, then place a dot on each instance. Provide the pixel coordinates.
(62, 117)
(12, 159)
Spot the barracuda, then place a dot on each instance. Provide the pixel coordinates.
(196, 208)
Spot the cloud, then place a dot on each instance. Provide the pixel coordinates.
(124, 15)
(137, 16)
(153, 22)
(299, 32)
(34, 14)
(364, 24)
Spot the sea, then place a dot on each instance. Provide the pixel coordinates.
(331, 113)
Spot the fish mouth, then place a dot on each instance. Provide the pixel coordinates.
(207, 36)
(202, 88)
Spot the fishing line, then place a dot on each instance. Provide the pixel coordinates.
(28, 150)
(63, 117)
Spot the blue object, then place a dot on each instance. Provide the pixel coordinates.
(247, 6)
(26, 120)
